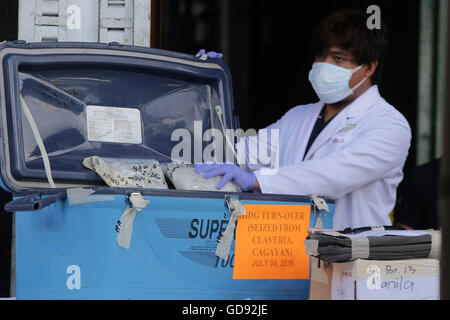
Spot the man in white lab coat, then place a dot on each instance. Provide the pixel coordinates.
(350, 146)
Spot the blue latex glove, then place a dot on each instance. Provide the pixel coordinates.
(245, 180)
(210, 54)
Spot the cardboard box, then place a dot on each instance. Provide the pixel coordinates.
(416, 279)
(320, 279)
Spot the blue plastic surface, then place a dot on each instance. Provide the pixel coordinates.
(172, 254)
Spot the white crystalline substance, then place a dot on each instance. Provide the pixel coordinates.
(184, 177)
(131, 173)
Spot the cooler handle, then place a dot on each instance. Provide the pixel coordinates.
(33, 202)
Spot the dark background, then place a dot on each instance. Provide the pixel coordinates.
(269, 58)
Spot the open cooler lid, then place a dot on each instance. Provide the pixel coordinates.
(71, 88)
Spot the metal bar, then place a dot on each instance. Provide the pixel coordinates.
(440, 75)
(119, 19)
(426, 81)
(26, 26)
(142, 22)
(444, 200)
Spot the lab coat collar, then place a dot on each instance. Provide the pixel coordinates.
(363, 103)
(349, 115)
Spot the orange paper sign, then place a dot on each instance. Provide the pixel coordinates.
(270, 242)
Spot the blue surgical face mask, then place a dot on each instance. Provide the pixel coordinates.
(331, 83)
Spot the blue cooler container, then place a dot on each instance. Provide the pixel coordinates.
(65, 251)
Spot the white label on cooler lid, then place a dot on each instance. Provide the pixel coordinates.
(113, 124)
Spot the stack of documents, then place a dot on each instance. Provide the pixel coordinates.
(373, 244)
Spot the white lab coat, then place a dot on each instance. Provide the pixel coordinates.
(356, 160)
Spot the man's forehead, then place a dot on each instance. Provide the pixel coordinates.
(338, 50)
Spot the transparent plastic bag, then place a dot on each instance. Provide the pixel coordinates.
(184, 177)
(132, 173)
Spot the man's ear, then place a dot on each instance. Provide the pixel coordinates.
(371, 67)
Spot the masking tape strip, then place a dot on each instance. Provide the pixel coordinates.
(223, 247)
(319, 222)
(320, 203)
(435, 251)
(360, 248)
(312, 247)
(80, 195)
(360, 245)
(40, 143)
(125, 228)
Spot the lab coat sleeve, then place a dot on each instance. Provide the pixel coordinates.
(373, 154)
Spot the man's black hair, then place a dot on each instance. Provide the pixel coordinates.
(347, 29)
